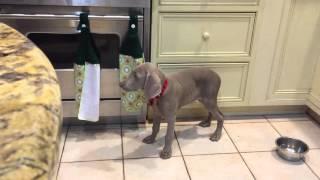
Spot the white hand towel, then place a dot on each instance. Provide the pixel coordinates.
(90, 96)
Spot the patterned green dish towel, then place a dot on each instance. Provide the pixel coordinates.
(131, 55)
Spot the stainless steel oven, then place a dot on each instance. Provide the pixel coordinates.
(51, 25)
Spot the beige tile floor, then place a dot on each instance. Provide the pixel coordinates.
(245, 151)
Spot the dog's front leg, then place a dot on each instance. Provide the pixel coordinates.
(155, 128)
(166, 153)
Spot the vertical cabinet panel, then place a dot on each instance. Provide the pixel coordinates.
(296, 53)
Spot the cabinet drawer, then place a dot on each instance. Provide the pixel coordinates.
(205, 34)
(109, 86)
(209, 2)
(233, 78)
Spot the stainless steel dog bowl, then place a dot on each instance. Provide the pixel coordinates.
(291, 149)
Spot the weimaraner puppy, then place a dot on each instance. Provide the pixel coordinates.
(168, 93)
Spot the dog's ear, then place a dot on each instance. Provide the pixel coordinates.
(152, 86)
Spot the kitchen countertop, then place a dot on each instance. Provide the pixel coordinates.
(30, 109)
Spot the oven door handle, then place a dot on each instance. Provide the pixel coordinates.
(75, 17)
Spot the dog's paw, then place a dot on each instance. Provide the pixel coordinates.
(215, 137)
(205, 123)
(149, 139)
(165, 154)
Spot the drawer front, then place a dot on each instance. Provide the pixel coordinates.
(109, 87)
(209, 2)
(205, 34)
(233, 78)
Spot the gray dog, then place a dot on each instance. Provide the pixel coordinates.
(167, 94)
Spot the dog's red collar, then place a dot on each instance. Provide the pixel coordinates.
(163, 89)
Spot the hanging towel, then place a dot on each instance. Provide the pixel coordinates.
(87, 74)
(131, 55)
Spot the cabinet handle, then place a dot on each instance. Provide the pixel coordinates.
(205, 36)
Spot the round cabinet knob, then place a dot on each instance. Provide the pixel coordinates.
(205, 36)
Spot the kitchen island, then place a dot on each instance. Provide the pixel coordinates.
(30, 109)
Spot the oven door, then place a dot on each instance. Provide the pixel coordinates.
(58, 38)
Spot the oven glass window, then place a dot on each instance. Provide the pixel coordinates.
(61, 49)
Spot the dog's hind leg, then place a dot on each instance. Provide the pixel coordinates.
(216, 113)
(219, 116)
(206, 122)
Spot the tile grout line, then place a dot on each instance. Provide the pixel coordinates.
(274, 128)
(111, 126)
(246, 122)
(195, 123)
(209, 154)
(135, 158)
(94, 160)
(279, 121)
(308, 164)
(122, 151)
(60, 158)
(226, 153)
(239, 153)
(310, 168)
(248, 152)
(154, 157)
(184, 161)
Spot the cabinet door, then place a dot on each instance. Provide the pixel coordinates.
(296, 53)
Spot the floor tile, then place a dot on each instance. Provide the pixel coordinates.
(307, 131)
(244, 119)
(288, 117)
(92, 143)
(133, 147)
(96, 170)
(62, 140)
(313, 160)
(155, 169)
(63, 135)
(195, 140)
(218, 166)
(252, 136)
(269, 166)
(227, 119)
